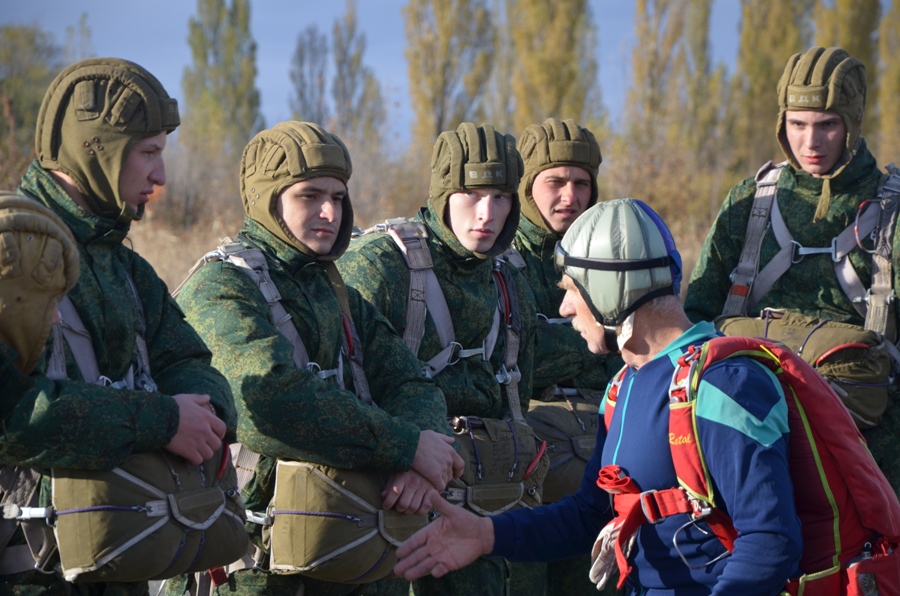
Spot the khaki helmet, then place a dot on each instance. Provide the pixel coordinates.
(38, 266)
(551, 144)
(286, 154)
(827, 80)
(92, 115)
(476, 157)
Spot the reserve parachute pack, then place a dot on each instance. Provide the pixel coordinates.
(323, 522)
(505, 463)
(861, 363)
(568, 422)
(154, 516)
(566, 418)
(849, 514)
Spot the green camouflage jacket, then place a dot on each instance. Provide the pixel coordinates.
(374, 265)
(290, 413)
(572, 364)
(13, 384)
(809, 287)
(72, 424)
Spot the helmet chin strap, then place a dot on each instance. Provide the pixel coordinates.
(610, 339)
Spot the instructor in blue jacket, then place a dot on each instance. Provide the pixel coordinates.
(621, 273)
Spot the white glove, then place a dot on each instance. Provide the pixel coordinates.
(603, 555)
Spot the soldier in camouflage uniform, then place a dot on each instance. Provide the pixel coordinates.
(100, 136)
(299, 214)
(38, 265)
(560, 182)
(830, 174)
(470, 219)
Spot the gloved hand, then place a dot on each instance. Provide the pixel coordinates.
(603, 555)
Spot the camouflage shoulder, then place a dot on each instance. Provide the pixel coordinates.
(371, 252)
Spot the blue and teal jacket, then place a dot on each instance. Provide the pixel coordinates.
(743, 430)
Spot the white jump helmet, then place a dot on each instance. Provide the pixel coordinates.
(620, 255)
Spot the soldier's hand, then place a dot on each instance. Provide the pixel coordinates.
(407, 492)
(451, 542)
(200, 430)
(436, 459)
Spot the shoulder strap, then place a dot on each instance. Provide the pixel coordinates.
(72, 331)
(352, 345)
(509, 374)
(880, 315)
(425, 293)
(744, 275)
(253, 263)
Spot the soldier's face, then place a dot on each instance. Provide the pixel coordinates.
(816, 139)
(561, 195)
(312, 210)
(477, 216)
(143, 171)
(583, 321)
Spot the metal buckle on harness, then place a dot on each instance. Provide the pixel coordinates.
(262, 519)
(144, 382)
(504, 376)
(701, 511)
(654, 516)
(802, 251)
(105, 381)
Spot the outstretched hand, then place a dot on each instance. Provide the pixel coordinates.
(451, 542)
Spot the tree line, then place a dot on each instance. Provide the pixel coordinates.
(690, 128)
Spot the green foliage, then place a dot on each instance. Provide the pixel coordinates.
(29, 59)
(771, 32)
(222, 108)
(79, 41)
(853, 25)
(308, 76)
(554, 43)
(221, 111)
(449, 54)
(887, 134)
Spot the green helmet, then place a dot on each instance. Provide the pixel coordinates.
(551, 144)
(286, 154)
(38, 266)
(827, 80)
(476, 157)
(94, 112)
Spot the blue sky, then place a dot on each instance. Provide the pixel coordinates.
(154, 34)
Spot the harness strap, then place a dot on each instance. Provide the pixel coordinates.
(744, 275)
(18, 485)
(509, 375)
(425, 295)
(878, 218)
(635, 508)
(411, 238)
(880, 316)
(791, 252)
(352, 346)
(71, 329)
